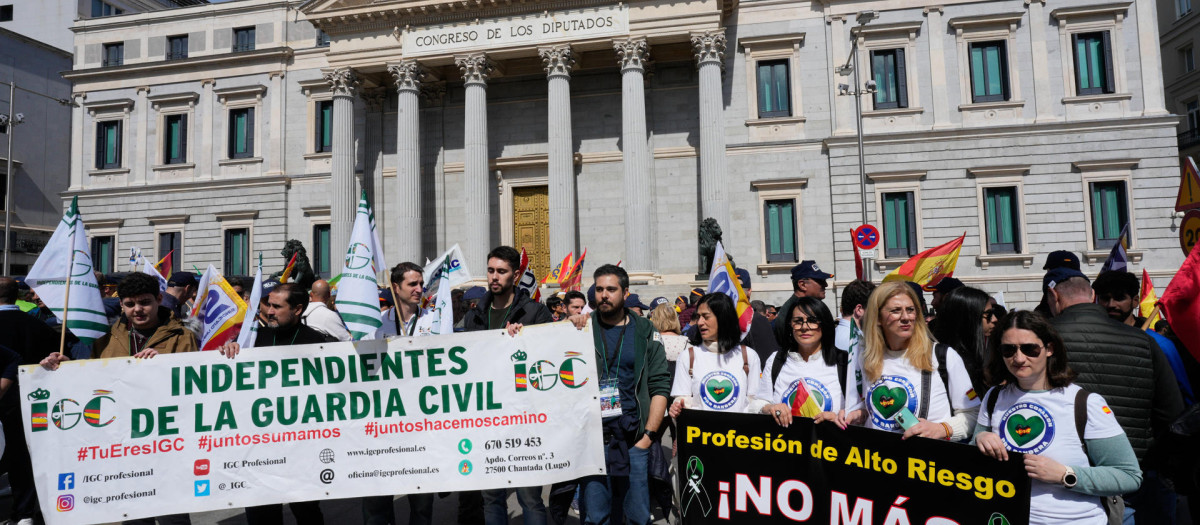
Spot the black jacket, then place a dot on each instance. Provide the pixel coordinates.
(523, 310)
(300, 335)
(1127, 367)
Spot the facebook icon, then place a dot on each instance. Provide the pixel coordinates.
(66, 481)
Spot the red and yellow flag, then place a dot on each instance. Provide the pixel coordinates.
(287, 270)
(803, 403)
(564, 268)
(1149, 299)
(165, 266)
(930, 266)
(573, 278)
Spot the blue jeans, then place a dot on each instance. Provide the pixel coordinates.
(604, 499)
(495, 506)
(1154, 502)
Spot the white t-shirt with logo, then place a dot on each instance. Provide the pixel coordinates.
(718, 382)
(1043, 423)
(900, 385)
(820, 378)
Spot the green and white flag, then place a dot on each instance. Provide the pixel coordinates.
(67, 254)
(437, 310)
(358, 289)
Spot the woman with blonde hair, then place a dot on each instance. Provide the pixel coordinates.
(902, 388)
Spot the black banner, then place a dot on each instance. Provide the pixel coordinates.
(742, 467)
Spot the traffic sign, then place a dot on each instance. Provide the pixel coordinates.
(1189, 187)
(1189, 231)
(867, 237)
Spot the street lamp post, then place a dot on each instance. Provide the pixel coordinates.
(851, 65)
(10, 123)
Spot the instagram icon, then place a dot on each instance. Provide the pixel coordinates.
(66, 502)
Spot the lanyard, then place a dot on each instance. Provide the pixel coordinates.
(505, 318)
(294, 334)
(620, 348)
(133, 349)
(411, 328)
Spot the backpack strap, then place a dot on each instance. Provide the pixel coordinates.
(1081, 418)
(926, 380)
(745, 363)
(691, 359)
(843, 362)
(939, 350)
(994, 394)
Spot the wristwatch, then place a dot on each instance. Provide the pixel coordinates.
(654, 435)
(1069, 478)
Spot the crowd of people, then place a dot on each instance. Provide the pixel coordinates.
(962, 368)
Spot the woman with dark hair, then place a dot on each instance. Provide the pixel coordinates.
(717, 372)
(960, 325)
(1036, 412)
(807, 359)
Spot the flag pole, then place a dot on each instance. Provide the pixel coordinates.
(1156, 312)
(62, 338)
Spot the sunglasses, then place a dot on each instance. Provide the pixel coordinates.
(811, 322)
(1029, 349)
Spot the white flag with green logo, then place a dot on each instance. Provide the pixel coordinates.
(48, 277)
(358, 289)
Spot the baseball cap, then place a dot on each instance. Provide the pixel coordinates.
(657, 301)
(1060, 259)
(633, 301)
(809, 270)
(182, 279)
(385, 296)
(1060, 274)
(947, 284)
(267, 286)
(744, 277)
(697, 293)
(473, 293)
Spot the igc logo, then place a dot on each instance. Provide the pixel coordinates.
(543, 374)
(65, 413)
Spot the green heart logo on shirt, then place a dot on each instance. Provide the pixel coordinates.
(1022, 430)
(719, 389)
(888, 401)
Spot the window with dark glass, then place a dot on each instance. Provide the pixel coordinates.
(899, 224)
(322, 38)
(989, 71)
(169, 242)
(774, 89)
(177, 47)
(321, 263)
(175, 139)
(103, 253)
(1001, 218)
(891, 80)
(780, 226)
(6, 13)
(237, 252)
(1109, 213)
(241, 133)
(1188, 56)
(243, 39)
(108, 144)
(102, 8)
(114, 54)
(1093, 63)
(324, 126)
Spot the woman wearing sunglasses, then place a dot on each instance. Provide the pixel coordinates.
(902, 389)
(807, 357)
(1036, 411)
(964, 321)
(716, 372)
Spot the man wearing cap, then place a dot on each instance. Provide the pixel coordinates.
(1125, 366)
(181, 288)
(318, 315)
(942, 288)
(807, 281)
(634, 303)
(1056, 259)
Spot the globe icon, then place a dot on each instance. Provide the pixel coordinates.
(327, 456)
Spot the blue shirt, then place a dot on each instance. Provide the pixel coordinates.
(619, 358)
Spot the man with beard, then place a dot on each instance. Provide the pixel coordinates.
(508, 307)
(1118, 293)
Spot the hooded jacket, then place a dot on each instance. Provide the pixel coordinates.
(653, 376)
(169, 338)
(523, 310)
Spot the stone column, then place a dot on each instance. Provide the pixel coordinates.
(632, 55)
(475, 70)
(205, 165)
(709, 50)
(375, 100)
(937, 66)
(1150, 61)
(558, 61)
(1044, 105)
(279, 98)
(343, 201)
(407, 208)
(141, 151)
(77, 156)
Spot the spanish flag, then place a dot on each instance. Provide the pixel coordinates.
(930, 266)
(559, 272)
(287, 270)
(1149, 300)
(573, 278)
(803, 403)
(165, 266)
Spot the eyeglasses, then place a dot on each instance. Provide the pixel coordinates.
(811, 322)
(989, 314)
(1029, 349)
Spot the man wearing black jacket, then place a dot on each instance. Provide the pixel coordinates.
(504, 306)
(1126, 366)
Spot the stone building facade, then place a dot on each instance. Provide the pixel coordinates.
(620, 126)
(1179, 23)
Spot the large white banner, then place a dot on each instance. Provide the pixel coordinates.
(541, 28)
(118, 439)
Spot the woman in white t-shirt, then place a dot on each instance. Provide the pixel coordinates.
(807, 356)
(1035, 413)
(716, 372)
(899, 373)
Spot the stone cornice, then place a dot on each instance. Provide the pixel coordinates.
(389, 14)
(275, 55)
(1065, 13)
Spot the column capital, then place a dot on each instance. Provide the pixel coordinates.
(407, 75)
(78, 98)
(632, 53)
(342, 81)
(476, 68)
(709, 47)
(557, 60)
(933, 9)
